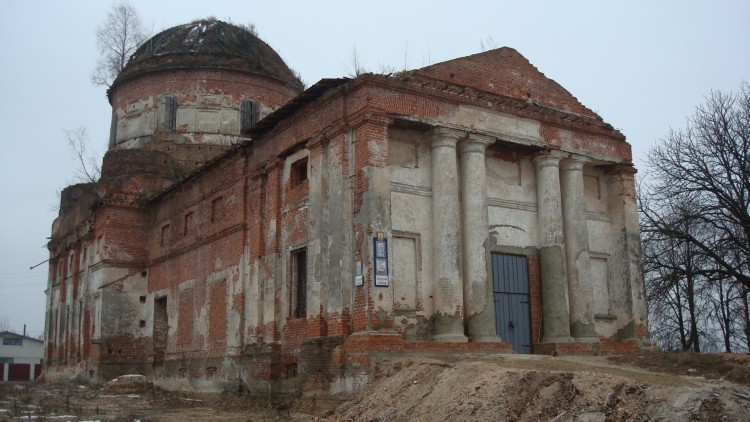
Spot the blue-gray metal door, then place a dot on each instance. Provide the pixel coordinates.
(510, 281)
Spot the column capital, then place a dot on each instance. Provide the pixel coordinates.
(574, 163)
(446, 137)
(475, 143)
(549, 158)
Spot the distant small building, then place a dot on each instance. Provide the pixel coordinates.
(20, 357)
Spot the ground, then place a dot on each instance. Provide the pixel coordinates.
(650, 386)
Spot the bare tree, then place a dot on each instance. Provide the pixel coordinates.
(87, 165)
(358, 67)
(677, 287)
(708, 164)
(117, 39)
(697, 196)
(5, 324)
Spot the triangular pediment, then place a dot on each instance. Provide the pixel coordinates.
(504, 71)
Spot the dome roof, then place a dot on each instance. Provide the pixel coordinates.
(208, 44)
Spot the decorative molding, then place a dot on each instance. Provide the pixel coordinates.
(599, 216)
(514, 205)
(411, 190)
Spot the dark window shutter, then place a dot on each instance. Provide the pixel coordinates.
(167, 118)
(249, 115)
(113, 130)
(171, 109)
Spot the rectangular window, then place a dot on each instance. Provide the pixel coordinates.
(12, 341)
(298, 172)
(249, 115)
(299, 282)
(167, 117)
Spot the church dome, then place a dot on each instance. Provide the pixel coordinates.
(208, 44)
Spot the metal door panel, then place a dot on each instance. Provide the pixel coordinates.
(510, 282)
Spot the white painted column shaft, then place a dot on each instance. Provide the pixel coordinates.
(446, 252)
(555, 314)
(478, 298)
(580, 288)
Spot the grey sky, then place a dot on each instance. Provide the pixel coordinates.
(642, 65)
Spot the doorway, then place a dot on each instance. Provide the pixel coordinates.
(510, 281)
(161, 330)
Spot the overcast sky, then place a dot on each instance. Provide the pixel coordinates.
(642, 65)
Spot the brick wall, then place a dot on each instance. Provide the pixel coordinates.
(187, 84)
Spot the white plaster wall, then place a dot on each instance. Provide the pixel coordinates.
(513, 227)
(31, 351)
(411, 216)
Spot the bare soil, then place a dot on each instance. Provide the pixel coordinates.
(650, 386)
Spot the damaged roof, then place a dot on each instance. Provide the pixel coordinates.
(211, 44)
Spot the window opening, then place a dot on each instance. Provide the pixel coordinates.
(299, 172)
(249, 115)
(167, 113)
(113, 130)
(12, 341)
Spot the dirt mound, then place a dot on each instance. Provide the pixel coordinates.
(134, 383)
(449, 387)
(495, 388)
(722, 366)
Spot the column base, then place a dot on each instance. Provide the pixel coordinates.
(485, 338)
(586, 339)
(450, 338)
(557, 339)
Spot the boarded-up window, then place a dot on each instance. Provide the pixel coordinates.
(600, 279)
(299, 282)
(404, 153)
(405, 267)
(167, 117)
(249, 114)
(185, 318)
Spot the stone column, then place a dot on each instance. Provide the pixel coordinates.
(580, 289)
(555, 316)
(447, 284)
(479, 304)
(626, 263)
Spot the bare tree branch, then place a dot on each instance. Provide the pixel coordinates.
(87, 168)
(117, 39)
(695, 223)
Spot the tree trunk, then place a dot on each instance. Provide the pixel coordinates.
(746, 319)
(691, 310)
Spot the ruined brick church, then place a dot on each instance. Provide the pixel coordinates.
(247, 232)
